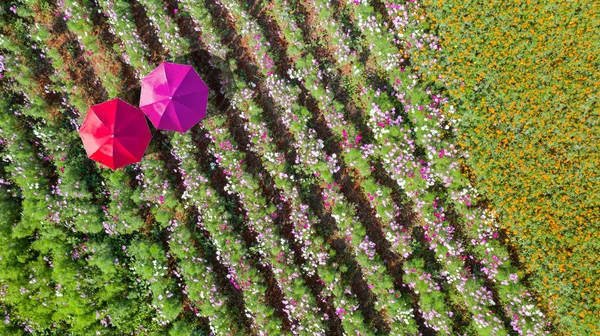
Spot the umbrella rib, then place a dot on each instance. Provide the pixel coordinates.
(96, 151)
(186, 94)
(176, 117)
(99, 147)
(166, 77)
(189, 71)
(95, 114)
(126, 150)
(183, 106)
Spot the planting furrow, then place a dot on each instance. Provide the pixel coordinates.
(437, 323)
(230, 227)
(102, 44)
(200, 195)
(325, 170)
(283, 211)
(379, 115)
(239, 266)
(94, 44)
(204, 25)
(129, 18)
(274, 294)
(169, 201)
(205, 291)
(64, 44)
(421, 267)
(344, 252)
(116, 26)
(312, 78)
(367, 103)
(378, 97)
(261, 216)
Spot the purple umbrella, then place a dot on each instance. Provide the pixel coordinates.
(174, 97)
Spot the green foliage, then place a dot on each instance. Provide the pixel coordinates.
(525, 80)
(85, 250)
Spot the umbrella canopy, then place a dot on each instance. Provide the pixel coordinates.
(174, 97)
(115, 133)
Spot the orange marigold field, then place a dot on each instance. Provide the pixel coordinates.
(525, 77)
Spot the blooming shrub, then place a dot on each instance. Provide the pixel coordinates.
(524, 80)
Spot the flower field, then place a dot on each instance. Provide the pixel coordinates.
(526, 85)
(325, 193)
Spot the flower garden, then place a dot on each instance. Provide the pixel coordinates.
(364, 168)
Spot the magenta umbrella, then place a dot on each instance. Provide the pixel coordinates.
(174, 97)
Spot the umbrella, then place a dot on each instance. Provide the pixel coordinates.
(115, 133)
(174, 97)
